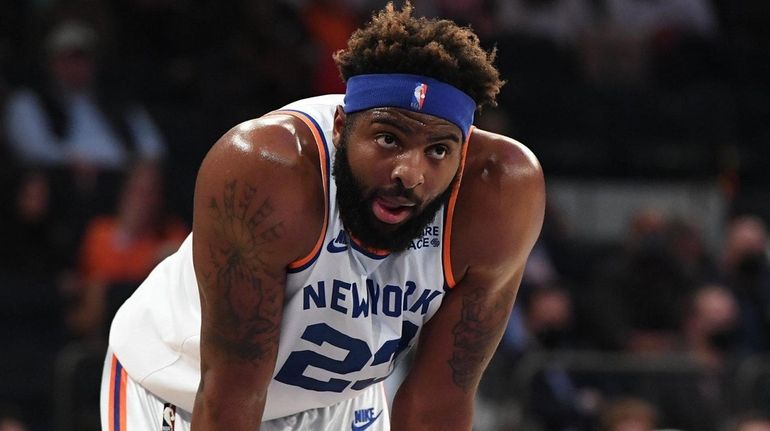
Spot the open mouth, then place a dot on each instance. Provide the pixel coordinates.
(391, 211)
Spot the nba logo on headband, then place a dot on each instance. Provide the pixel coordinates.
(420, 90)
(406, 91)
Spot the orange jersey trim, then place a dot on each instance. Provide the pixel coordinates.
(117, 404)
(324, 162)
(374, 252)
(111, 405)
(450, 211)
(123, 416)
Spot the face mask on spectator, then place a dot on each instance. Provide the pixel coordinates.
(552, 338)
(752, 264)
(723, 339)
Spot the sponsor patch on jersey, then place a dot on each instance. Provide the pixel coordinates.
(418, 98)
(428, 239)
(363, 419)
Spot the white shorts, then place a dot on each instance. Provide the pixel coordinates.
(127, 406)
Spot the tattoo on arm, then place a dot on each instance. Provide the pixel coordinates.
(477, 330)
(248, 323)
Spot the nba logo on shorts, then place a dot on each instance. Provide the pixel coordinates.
(418, 99)
(169, 417)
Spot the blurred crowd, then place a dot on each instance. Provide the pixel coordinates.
(678, 325)
(108, 106)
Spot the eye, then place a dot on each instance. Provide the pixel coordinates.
(385, 140)
(438, 152)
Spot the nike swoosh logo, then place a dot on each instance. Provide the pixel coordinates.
(332, 247)
(354, 427)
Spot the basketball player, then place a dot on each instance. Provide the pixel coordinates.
(331, 236)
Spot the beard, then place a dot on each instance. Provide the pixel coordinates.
(355, 205)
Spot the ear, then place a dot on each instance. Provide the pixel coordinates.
(339, 125)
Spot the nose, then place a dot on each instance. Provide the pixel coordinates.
(409, 169)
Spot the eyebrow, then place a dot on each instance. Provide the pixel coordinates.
(384, 119)
(392, 122)
(445, 137)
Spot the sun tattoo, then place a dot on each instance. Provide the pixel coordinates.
(248, 318)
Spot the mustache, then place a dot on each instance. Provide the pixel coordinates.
(398, 190)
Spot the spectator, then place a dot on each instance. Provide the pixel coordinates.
(700, 400)
(744, 269)
(637, 296)
(690, 252)
(71, 120)
(548, 318)
(36, 240)
(710, 325)
(548, 327)
(119, 251)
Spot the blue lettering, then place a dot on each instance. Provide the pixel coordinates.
(430, 231)
(424, 300)
(389, 352)
(374, 294)
(338, 295)
(410, 288)
(420, 243)
(359, 304)
(395, 299)
(391, 295)
(364, 415)
(293, 370)
(318, 296)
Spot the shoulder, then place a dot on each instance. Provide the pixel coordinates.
(499, 210)
(500, 157)
(266, 168)
(277, 141)
(23, 98)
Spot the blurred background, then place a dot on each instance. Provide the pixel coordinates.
(645, 303)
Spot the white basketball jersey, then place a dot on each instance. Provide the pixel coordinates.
(349, 313)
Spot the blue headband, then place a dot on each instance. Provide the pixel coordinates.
(413, 92)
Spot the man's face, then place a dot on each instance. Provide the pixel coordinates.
(393, 171)
(74, 69)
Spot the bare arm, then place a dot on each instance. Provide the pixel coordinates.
(498, 219)
(247, 228)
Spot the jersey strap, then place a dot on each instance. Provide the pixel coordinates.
(323, 159)
(449, 216)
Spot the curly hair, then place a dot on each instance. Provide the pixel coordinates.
(396, 42)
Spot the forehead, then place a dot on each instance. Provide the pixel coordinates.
(407, 120)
